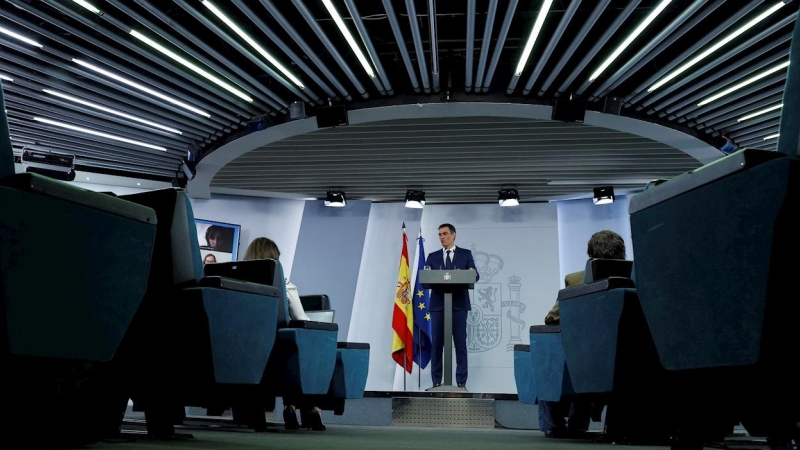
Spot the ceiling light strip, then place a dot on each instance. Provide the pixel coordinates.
(98, 133)
(349, 37)
(771, 136)
(6, 78)
(142, 88)
(744, 83)
(537, 27)
(111, 111)
(760, 112)
(20, 37)
(236, 29)
(194, 67)
(88, 6)
(716, 46)
(629, 39)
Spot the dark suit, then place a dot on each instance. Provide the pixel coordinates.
(462, 260)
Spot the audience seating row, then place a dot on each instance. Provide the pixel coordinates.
(105, 299)
(700, 337)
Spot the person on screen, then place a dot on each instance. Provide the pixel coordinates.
(311, 416)
(209, 259)
(450, 257)
(219, 238)
(604, 244)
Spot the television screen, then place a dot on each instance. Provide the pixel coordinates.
(219, 241)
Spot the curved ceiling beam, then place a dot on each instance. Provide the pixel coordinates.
(207, 168)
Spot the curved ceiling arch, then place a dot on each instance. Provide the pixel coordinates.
(673, 150)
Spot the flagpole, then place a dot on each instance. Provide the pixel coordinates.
(419, 352)
(405, 372)
(405, 354)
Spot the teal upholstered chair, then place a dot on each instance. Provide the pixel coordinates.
(716, 264)
(199, 341)
(73, 274)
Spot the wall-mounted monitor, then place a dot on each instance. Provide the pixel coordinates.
(219, 241)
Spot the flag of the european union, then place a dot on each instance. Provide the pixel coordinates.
(422, 315)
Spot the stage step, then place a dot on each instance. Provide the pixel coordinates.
(443, 412)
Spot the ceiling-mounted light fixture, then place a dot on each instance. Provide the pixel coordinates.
(111, 111)
(98, 133)
(415, 199)
(716, 46)
(771, 136)
(141, 87)
(236, 29)
(20, 37)
(335, 199)
(348, 37)
(508, 197)
(6, 78)
(758, 113)
(192, 66)
(88, 6)
(629, 39)
(537, 27)
(744, 83)
(603, 195)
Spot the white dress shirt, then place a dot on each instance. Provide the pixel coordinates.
(296, 311)
(452, 254)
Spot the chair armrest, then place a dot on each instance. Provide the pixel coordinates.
(309, 325)
(545, 329)
(231, 284)
(598, 286)
(353, 345)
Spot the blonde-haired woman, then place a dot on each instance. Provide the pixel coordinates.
(264, 248)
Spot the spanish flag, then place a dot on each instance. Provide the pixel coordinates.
(403, 316)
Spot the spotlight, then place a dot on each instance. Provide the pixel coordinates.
(335, 199)
(603, 195)
(508, 197)
(415, 199)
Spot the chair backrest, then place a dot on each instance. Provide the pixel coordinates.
(261, 271)
(599, 269)
(176, 257)
(316, 302)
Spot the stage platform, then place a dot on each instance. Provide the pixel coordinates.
(411, 408)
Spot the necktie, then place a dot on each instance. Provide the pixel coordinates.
(449, 265)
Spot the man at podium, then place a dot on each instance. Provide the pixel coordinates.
(450, 257)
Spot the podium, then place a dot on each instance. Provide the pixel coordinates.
(447, 281)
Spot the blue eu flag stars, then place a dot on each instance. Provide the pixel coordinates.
(422, 315)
